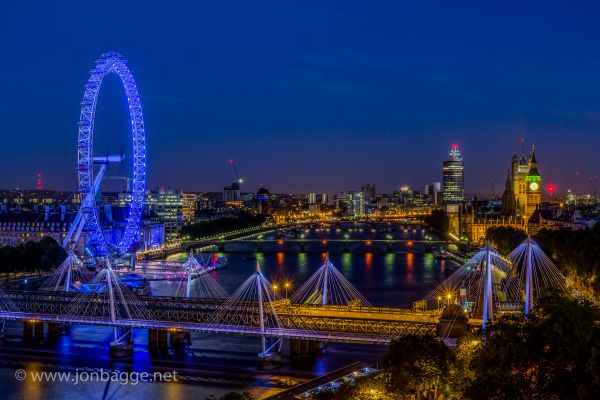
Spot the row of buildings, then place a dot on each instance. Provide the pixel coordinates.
(521, 206)
(32, 214)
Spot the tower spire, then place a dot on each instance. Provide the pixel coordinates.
(532, 160)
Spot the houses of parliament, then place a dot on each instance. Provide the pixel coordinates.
(523, 189)
(521, 199)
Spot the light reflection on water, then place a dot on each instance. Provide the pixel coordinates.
(217, 364)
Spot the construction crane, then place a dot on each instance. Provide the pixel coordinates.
(236, 175)
(573, 179)
(493, 189)
(593, 187)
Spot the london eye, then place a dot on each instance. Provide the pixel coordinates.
(91, 167)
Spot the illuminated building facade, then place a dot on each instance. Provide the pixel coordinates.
(453, 177)
(523, 189)
(189, 202)
(357, 204)
(17, 227)
(167, 205)
(231, 194)
(263, 199)
(520, 202)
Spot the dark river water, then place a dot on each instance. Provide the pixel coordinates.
(216, 364)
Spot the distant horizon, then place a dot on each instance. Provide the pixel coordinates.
(499, 189)
(468, 195)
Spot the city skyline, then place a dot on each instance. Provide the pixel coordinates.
(312, 200)
(325, 111)
(548, 189)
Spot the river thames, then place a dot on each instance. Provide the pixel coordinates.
(216, 364)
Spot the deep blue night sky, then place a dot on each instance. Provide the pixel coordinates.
(308, 96)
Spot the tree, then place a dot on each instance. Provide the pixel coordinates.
(439, 222)
(32, 256)
(576, 253)
(505, 238)
(417, 364)
(551, 355)
(462, 372)
(32, 253)
(222, 225)
(368, 389)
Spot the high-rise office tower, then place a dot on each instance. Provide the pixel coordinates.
(231, 193)
(369, 192)
(453, 177)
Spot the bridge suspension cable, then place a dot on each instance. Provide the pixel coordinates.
(252, 307)
(537, 272)
(107, 299)
(197, 281)
(486, 283)
(6, 304)
(69, 274)
(328, 286)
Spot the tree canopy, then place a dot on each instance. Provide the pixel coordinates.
(505, 238)
(209, 228)
(32, 256)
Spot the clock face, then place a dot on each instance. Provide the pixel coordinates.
(534, 186)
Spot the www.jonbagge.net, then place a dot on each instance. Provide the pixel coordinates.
(96, 375)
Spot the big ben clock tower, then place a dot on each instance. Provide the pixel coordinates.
(533, 182)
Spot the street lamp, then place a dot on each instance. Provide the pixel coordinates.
(287, 285)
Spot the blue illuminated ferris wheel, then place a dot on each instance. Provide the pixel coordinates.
(89, 182)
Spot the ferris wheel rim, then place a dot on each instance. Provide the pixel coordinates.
(107, 64)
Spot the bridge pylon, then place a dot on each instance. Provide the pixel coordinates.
(197, 281)
(107, 300)
(488, 308)
(253, 308)
(537, 272)
(328, 286)
(485, 284)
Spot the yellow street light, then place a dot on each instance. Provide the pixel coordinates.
(287, 284)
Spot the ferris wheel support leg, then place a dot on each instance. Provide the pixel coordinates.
(79, 222)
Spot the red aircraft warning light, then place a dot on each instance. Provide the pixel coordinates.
(38, 181)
